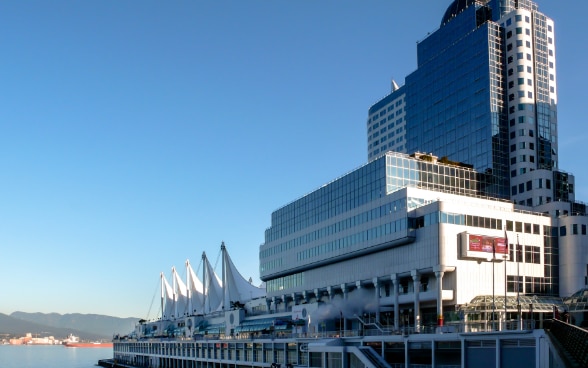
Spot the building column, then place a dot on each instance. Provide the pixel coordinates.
(330, 292)
(268, 302)
(275, 300)
(416, 281)
(395, 282)
(377, 295)
(439, 276)
(345, 295)
(317, 295)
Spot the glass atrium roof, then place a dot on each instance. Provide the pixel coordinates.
(578, 302)
(483, 303)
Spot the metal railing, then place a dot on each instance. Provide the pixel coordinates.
(572, 339)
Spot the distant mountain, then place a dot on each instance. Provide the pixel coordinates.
(17, 328)
(86, 326)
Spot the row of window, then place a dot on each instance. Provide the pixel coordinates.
(348, 223)
(563, 230)
(528, 186)
(530, 285)
(532, 253)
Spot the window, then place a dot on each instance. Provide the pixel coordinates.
(529, 185)
(562, 231)
(536, 229)
(528, 228)
(583, 229)
(514, 190)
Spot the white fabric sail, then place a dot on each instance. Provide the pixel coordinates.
(237, 288)
(213, 288)
(195, 291)
(167, 298)
(180, 295)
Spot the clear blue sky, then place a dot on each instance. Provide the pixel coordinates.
(138, 134)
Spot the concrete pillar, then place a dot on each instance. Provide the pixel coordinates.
(439, 276)
(268, 302)
(330, 292)
(345, 296)
(377, 295)
(416, 282)
(395, 282)
(317, 295)
(275, 301)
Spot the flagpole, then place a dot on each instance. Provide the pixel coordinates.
(518, 286)
(493, 300)
(504, 257)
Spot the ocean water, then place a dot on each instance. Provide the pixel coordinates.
(46, 356)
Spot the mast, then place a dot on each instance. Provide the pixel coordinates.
(204, 283)
(162, 294)
(188, 288)
(224, 277)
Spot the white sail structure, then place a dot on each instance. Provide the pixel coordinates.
(237, 288)
(181, 303)
(167, 299)
(213, 288)
(213, 294)
(195, 291)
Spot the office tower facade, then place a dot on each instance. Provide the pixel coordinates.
(484, 93)
(475, 130)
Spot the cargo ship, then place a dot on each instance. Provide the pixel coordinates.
(74, 342)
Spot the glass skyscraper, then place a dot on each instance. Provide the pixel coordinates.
(484, 93)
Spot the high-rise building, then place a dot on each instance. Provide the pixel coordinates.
(475, 134)
(484, 93)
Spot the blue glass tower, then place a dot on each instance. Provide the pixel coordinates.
(484, 93)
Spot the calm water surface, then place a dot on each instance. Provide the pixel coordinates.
(44, 356)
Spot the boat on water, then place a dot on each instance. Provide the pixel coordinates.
(95, 344)
(74, 342)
